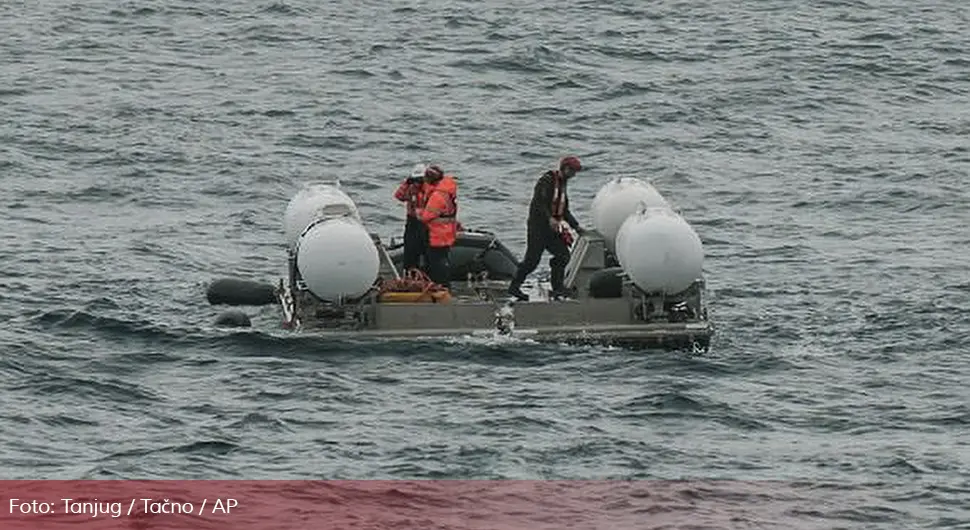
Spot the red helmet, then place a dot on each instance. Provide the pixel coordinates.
(571, 162)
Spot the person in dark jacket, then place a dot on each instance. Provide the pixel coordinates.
(545, 230)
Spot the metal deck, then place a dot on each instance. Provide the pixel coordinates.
(478, 307)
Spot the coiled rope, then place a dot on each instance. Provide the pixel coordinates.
(413, 281)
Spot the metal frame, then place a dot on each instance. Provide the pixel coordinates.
(636, 319)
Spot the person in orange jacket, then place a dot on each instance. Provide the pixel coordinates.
(412, 193)
(440, 215)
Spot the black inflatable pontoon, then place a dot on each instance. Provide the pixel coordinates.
(474, 252)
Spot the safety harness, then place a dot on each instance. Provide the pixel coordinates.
(559, 207)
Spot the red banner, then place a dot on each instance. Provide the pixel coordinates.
(425, 505)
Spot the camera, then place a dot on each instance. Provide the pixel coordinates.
(415, 180)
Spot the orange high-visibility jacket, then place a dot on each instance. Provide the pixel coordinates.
(413, 194)
(440, 212)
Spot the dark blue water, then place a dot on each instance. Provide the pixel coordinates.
(819, 149)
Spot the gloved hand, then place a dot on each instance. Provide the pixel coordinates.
(567, 238)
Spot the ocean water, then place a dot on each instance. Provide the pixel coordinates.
(819, 149)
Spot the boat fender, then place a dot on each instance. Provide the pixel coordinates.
(606, 283)
(233, 319)
(233, 291)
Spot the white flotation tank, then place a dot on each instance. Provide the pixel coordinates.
(312, 202)
(617, 200)
(337, 259)
(659, 251)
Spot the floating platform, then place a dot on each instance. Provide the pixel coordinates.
(606, 308)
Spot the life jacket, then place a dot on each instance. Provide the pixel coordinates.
(558, 207)
(440, 212)
(413, 195)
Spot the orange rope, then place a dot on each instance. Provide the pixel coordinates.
(413, 281)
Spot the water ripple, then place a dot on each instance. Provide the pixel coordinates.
(818, 149)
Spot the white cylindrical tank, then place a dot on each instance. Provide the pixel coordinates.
(337, 259)
(659, 251)
(617, 200)
(312, 202)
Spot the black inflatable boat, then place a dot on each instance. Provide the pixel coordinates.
(474, 252)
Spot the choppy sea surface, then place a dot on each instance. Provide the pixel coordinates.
(820, 150)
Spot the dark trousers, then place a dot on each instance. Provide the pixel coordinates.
(439, 265)
(540, 238)
(415, 243)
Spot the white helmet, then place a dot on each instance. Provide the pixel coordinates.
(418, 171)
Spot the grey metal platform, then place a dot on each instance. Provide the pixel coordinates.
(632, 319)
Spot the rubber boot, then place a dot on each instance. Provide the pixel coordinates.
(557, 279)
(515, 289)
